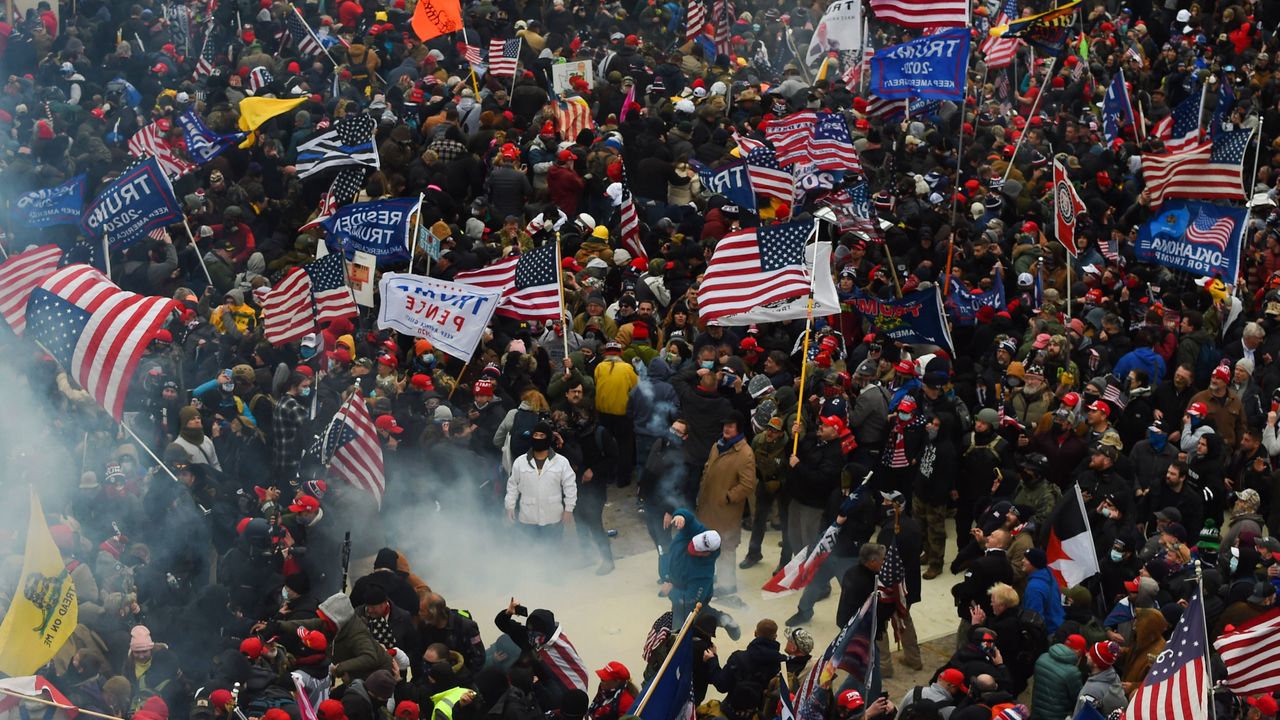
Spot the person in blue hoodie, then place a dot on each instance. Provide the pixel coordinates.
(1142, 357)
(1042, 594)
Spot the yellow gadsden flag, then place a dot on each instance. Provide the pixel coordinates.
(44, 609)
(256, 110)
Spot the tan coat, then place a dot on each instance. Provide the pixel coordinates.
(727, 481)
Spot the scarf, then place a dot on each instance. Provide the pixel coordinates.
(195, 436)
(726, 445)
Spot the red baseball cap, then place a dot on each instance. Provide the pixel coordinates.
(1198, 409)
(955, 677)
(1101, 407)
(850, 700)
(388, 423)
(305, 503)
(614, 670)
(1265, 704)
(251, 647)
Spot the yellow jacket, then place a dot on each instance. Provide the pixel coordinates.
(244, 316)
(614, 380)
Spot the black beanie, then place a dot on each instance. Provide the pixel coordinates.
(387, 558)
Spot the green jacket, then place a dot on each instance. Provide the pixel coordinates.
(557, 385)
(1058, 683)
(770, 457)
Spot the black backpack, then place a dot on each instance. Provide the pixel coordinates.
(1033, 637)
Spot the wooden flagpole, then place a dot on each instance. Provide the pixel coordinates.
(644, 699)
(564, 326)
(199, 254)
(808, 335)
(50, 703)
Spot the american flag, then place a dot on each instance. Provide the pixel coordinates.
(1109, 249)
(560, 657)
(95, 330)
(831, 147)
(259, 78)
(349, 448)
(504, 56)
(341, 191)
(303, 38)
(746, 144)
(853, 76)
(723, 13)
(474, 56)
(1003, 93)
(348, 142)
(21, 274)
(790, 136)
(658, 633)
(922, 13)
(891, 581)
(204, 64)
(696, 18)
(1251, 653)
(1176, 687)
(755, 267)
(529, 283)
(855, 637)
(1114, 393)
(888, 110)
(1181, 129)
(1207, 230)
(308, 295)
(629, 222)
(573, 115)
(767, 177)
(1000, 52)
(803, 566)
(852, 208)
(1211, 169)
(150, 140)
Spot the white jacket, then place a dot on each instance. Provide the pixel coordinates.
(541, 495)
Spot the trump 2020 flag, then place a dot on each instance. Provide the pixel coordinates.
(380, 228)
(134, 204)
(1196, 237)
(44, 610)
(669, 694)
(1072, 557)
(731, 180)
(916, 317)
(1117, 109)
(963, 304)
(1177, 686)
(932, 67)
(58, 205)
(204, 144)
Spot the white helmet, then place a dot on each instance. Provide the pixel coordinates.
(585, 222)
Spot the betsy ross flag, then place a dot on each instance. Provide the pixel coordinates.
(529, 283)
(349, 447)
(150, 140)
(1251, 653)
(999, 53)
(767, 177)
(754, 267)
(341, 191)
(922, 13)
(504, 56)
(1072, 556)
(95, 330)
(303, 38)
(306, 296)
(1177, 686)
(1206, 170)
(1181, 129)
(695, 18)
(1067, 207)
(669, 694)
(348, 142)
(802, 567)
(19, 276)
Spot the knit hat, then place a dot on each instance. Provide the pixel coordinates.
(382, 683)
(1037, 558)
(140, 639)
(1104, 654)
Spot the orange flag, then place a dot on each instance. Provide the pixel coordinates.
(433, 18)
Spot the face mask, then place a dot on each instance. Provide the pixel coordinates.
(540, 444)
(307, 352)
(932, 432)
(708, 364)
(904, 416)
(1233, 563)
(228, 387)
(305, 392)
(1106, 512)
(1157, 440)
(670, 357)
(284, 594)
(1116, 556)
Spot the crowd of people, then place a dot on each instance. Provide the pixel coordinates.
(210, 577)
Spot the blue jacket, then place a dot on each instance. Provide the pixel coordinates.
(692, 578)
(653, 403)
(1042, 595)
(1143, 358)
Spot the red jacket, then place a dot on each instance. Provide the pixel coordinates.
(565, 186)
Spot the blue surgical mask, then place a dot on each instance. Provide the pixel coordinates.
(305, 392)
(1106, 512)
(1233, 563)
(1116, 556)
(904, 416)
(708, 364)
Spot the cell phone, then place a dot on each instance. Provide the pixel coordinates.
(522, 611)
(884, 695)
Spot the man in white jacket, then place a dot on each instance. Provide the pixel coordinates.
(542, 490)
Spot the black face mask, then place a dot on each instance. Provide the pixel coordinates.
(540, 444)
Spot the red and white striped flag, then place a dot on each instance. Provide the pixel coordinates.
(350, 450)
(95, 330)
(150, 140)
(754, 267)
(473, 54)
(922, 13)
(21, 274)
(13, 707)
(746, 144)
(695, 18)
(790, 136)
(853, 76)
(573, 115)
(1176, 687)
(767, 177)
(1251, 653)
(1206, 170)
(999, 52)
(803, 567)
(562, 659)
(504, 57)
(310, 294)
(529, 283)
(723, 11)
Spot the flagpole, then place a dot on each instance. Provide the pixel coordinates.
(1204, 625)
(808, 333)
(514, 73)
(199, 254)
(644, 699)
(50, 703)
(564, 335)
(1254, 174)
(1021, 136)
(413, 235)
(893, 269)
(106, 254)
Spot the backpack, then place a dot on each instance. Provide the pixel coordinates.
(1206, 360)
(1033, 638)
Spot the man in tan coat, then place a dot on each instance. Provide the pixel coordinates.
(728, 479)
